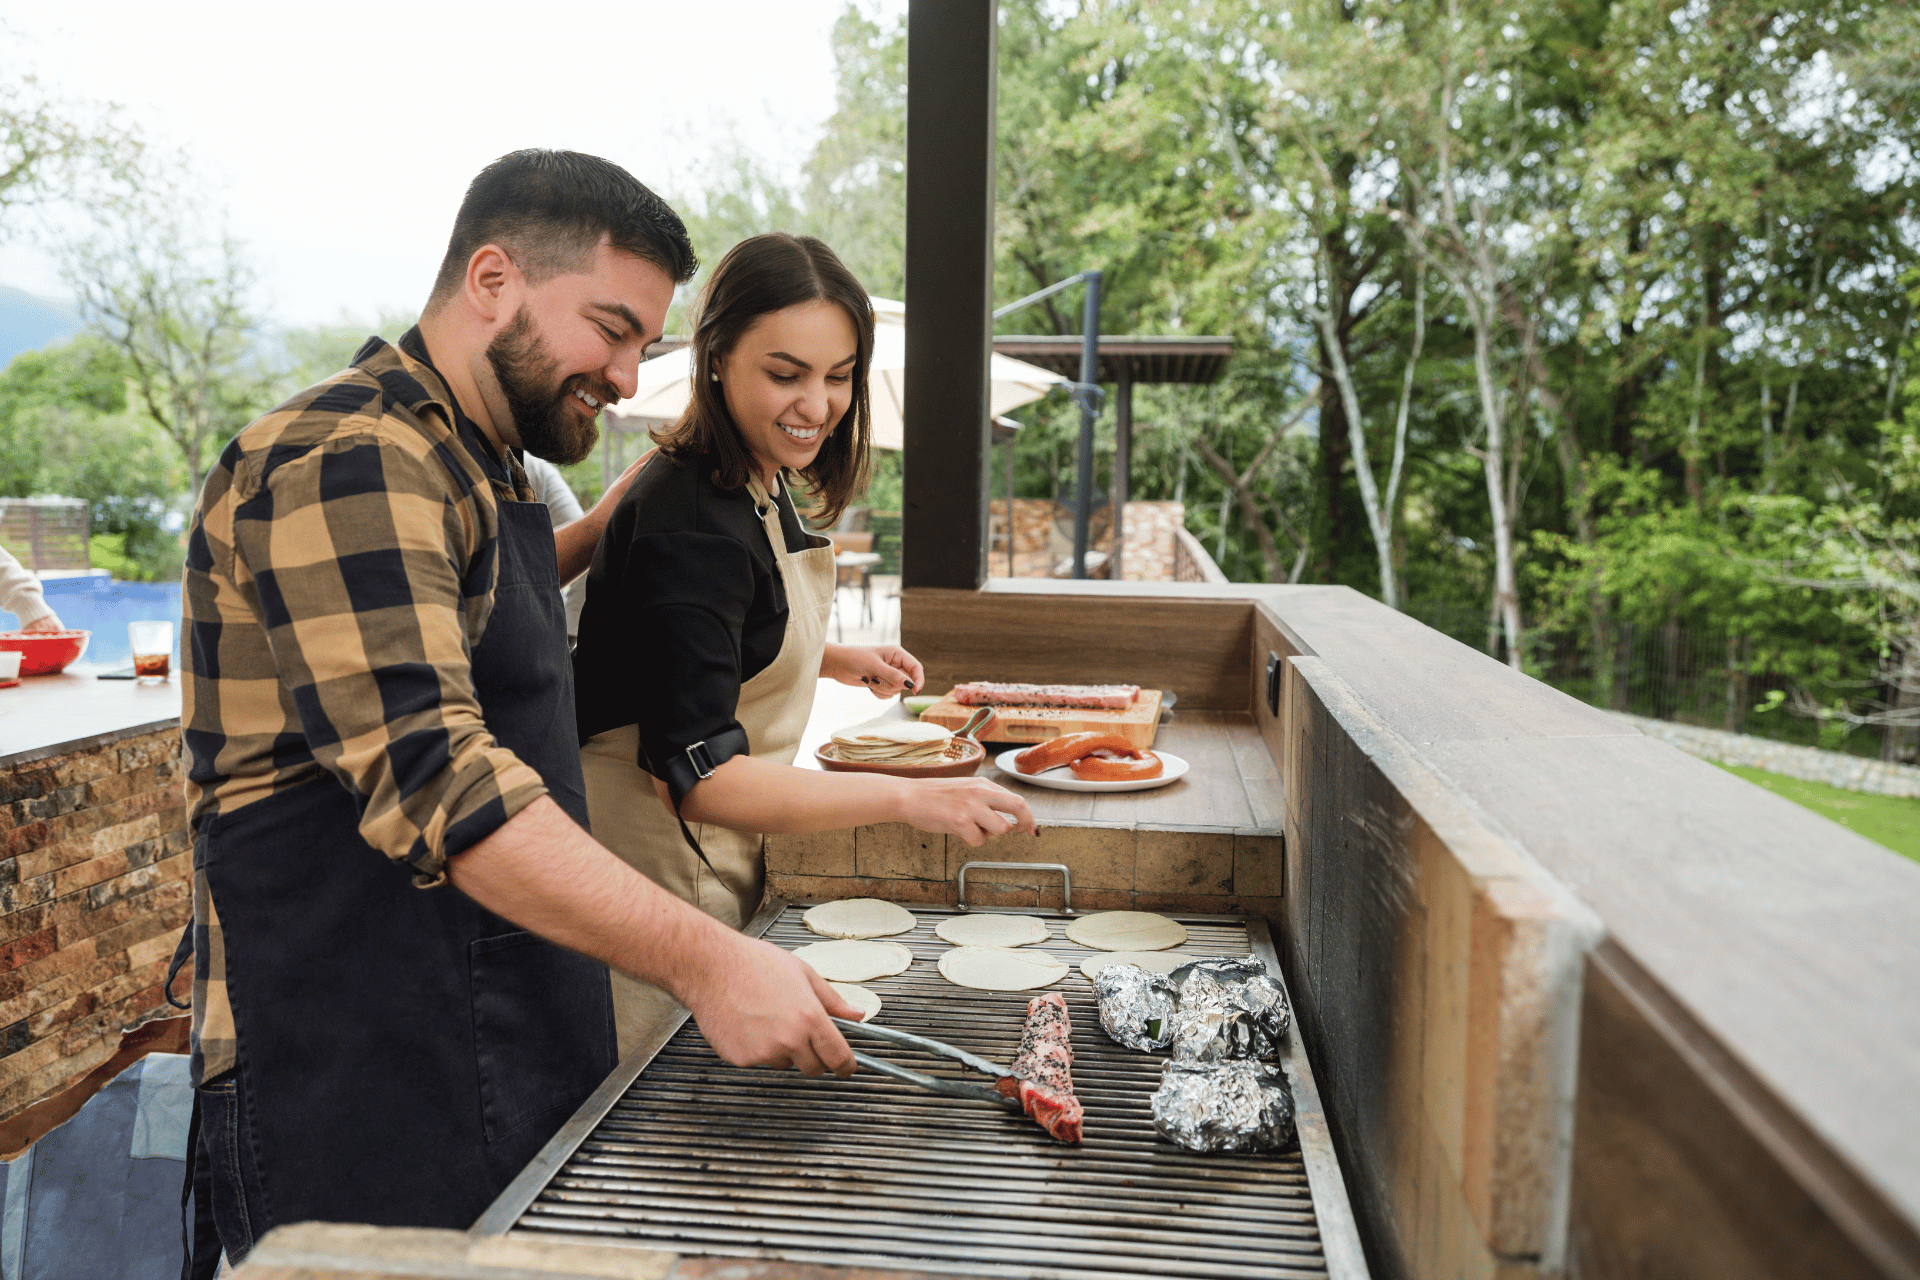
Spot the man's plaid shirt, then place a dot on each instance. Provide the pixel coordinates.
(340, 570)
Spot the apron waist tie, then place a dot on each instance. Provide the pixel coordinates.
(182, 951)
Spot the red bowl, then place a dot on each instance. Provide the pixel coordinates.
(45, 652)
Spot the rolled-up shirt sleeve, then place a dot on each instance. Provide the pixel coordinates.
(363, 569)
(688, 598)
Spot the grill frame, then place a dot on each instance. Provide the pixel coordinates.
(1341, 1253)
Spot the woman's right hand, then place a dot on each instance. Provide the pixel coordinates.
(972, 808)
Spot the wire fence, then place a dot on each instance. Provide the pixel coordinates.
(1665, 672)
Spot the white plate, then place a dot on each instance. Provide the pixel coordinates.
(1061, 778)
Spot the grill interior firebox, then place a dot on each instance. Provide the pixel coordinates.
(679, 1151)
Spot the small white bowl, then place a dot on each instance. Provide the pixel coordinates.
(9, 665)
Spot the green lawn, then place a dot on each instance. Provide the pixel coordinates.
(1893, 821)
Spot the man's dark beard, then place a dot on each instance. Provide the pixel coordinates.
(548, 427)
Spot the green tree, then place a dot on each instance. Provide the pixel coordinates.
(66, 430)
(53, 150)
(177, 306)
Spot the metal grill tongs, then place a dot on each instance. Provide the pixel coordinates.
(932, 1084)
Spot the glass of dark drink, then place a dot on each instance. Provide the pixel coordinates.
(152, 650)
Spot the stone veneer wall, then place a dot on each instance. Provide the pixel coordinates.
(95, 885)
(1149, 532)
(1115, 868)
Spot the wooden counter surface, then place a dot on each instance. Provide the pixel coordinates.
(339, 1251)
(1232, 783)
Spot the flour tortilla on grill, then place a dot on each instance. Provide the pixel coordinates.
(1001, 968)
(859, 997)
(1155, 961)
(855, 960)
(992, 930)
(1127, 931)
(858, 918)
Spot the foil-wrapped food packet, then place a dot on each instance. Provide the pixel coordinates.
(1241, 1105)
(1136, 1006)
(1228, 1009)
(1209, 1033)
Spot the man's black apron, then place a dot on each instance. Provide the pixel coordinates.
(404, 1052)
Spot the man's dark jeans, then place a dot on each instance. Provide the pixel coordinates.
(227, 1170)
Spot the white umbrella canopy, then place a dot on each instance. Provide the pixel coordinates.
(666, 382)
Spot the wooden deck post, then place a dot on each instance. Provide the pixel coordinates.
(951, 84)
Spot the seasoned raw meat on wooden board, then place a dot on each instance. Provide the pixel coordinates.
(1136, 723)
(983, 693)
(1042, 1073)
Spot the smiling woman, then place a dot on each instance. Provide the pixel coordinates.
(704, 635)
(781, 354)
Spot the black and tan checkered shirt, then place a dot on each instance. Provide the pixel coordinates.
(340, 571)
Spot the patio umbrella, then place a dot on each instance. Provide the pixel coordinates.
(666, 381)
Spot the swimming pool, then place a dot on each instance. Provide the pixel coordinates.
(103, 606)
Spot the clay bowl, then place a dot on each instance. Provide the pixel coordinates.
(45, 652)
(960, 765)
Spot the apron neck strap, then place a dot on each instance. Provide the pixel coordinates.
(764, 500)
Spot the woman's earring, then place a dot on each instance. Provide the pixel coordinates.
(713, 375)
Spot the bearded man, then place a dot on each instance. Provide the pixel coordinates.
(401, 926)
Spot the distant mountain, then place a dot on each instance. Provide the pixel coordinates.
(28, 321)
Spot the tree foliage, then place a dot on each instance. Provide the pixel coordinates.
(1587, 296)
(56, 151)
(66, 430)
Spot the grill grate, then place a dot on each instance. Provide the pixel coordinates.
(698, 1157)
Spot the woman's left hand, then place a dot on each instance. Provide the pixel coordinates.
(886, 669)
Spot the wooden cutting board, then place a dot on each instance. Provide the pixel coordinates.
(1137, 723)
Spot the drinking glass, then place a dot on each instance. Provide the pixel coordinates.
(152, 650)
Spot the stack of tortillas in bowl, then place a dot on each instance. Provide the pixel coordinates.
(892, 742)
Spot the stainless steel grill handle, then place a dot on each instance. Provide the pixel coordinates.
(1066, 879)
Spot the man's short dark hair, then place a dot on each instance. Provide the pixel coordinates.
(550, 209)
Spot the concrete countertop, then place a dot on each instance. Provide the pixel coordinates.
(50, 715)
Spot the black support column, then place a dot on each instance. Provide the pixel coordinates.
(1121, 489)
(951, 75)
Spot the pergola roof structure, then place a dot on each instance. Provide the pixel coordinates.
(1125, 357)
(1171, 358)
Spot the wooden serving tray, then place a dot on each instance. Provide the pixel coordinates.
(1137, 724)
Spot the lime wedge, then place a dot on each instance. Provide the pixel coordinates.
(918, 702)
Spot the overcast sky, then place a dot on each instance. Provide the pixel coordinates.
(338, 139)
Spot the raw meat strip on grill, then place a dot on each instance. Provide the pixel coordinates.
(1104, 697)
(1042, 1076)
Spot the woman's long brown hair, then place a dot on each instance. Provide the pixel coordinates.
(759, 276)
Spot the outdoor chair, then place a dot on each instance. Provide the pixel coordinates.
(853, 561)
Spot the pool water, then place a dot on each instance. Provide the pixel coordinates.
(103, 606)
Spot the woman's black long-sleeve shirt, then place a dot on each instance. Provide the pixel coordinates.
(684, 605)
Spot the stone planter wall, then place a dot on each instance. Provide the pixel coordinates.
(1150, 530)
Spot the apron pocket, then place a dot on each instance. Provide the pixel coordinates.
(531, 1002)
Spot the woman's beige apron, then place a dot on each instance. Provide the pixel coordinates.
(628, 816)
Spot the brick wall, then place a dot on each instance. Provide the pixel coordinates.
(95, 884)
